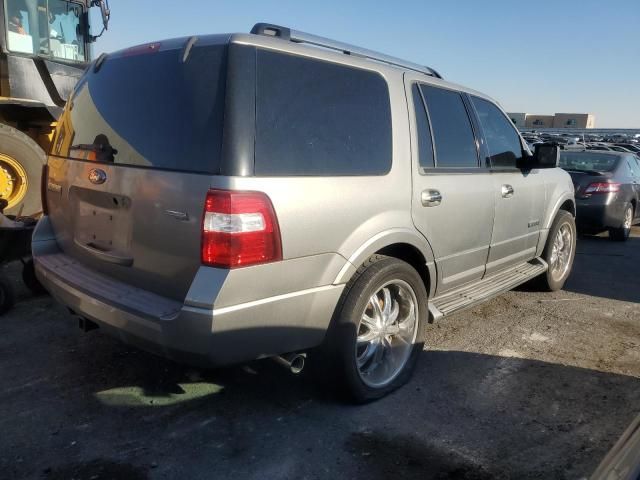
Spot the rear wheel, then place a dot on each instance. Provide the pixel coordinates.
(21, 162)
(377, 331)
(621, 233)
(559, 252)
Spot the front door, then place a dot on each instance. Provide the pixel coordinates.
(453, 201)
(519, 215)
(519, 195)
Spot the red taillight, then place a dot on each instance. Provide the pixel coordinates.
(602, 187)
(239, 229)
(43, 189)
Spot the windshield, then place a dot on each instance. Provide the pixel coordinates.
(49, 28)
(582, 161)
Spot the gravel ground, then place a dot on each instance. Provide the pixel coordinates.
(529, 385)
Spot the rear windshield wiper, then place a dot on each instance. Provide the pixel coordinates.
(589, 172)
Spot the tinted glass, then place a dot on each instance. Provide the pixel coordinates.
(583, 161)
(49, 28)
(454, 141)
(319, 118)
(425, 145)
(502, 140)
(150, 110)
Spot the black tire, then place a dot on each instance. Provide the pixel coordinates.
(7, 297)
(546, 281)
(621, 234)
(30, 280)
(339, 350)
(22, 148)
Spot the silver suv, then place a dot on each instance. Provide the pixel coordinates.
(223, 198)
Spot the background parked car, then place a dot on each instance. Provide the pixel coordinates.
(607, 189)
(630, 146)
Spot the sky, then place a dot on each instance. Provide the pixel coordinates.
(537, 57)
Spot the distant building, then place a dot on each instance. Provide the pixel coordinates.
(518, 119)
(539, 121)
(574, 120)
(559, 120)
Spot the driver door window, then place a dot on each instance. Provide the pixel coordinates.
(505, 148)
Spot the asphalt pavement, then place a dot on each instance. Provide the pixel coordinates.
(528, 385)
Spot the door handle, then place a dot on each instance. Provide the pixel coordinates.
(431, 198)
(507, 191)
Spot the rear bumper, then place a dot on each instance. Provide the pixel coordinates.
(189, 334)
(592, 217)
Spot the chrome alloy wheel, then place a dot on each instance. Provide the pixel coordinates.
(386, 333)
(628, 219)
(561, 252)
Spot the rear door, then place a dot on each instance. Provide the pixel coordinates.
(519, 195)
(634, 164)
(453, 201)
(132, 161)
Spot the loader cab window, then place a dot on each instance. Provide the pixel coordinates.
(48, 28)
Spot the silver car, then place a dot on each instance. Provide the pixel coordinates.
(224, 198)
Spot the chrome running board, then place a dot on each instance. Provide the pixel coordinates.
(485, 289)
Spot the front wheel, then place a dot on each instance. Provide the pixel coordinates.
(377, 331)
(621, 233)
(559, 252)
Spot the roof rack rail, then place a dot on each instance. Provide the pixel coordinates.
(295, 36)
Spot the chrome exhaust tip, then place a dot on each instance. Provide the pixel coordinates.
(294, 362)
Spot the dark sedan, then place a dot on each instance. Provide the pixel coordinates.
(607, 189)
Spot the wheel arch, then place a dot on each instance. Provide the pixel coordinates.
(568, 206)
(402, 244)
(567, 203)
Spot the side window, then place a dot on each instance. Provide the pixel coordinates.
(425, 145)
(455, 145)
(635, 167)
(502, 139)
(316, 118)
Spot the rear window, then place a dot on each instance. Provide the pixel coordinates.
(316, 118)
(149, 109)
(581, 161)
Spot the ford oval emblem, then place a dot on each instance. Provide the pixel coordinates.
(97, 176)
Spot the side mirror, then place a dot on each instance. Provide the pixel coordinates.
(546, 155)
(105, 11)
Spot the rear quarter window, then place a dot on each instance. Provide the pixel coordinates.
(316, 118)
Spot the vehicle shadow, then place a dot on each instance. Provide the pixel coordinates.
(463, 415)
(604, 268)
